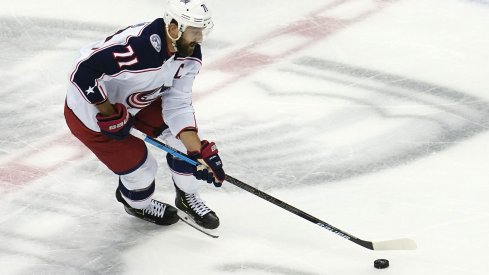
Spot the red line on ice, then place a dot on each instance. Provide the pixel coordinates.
(313, 28)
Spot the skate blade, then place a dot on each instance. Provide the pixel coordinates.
(189, 221)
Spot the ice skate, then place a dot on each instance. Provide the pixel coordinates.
(157, 212)
(193, 205)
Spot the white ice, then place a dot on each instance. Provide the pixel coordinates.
(370, 115)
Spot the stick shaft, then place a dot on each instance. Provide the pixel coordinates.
(298, 212)
(393, 244)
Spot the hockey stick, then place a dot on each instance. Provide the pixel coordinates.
(396, 244)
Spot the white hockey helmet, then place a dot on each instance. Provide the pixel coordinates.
(193, 13)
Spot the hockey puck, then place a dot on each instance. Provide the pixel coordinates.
(381, 263)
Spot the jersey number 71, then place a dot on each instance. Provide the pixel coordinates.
(126, 58)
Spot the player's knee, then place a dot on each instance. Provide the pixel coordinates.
(143, 175)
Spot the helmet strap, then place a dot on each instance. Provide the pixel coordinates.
(174, 40)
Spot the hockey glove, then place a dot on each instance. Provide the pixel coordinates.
(116, 126)
(212, 171)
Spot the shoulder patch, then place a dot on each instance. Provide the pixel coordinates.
(156, 42)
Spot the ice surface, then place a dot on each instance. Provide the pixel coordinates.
(370, 115)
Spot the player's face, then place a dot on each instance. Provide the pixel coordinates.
(189, 39)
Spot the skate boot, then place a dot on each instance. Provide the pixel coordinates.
(157, 212)
(193, 205)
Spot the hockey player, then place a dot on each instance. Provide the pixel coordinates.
(142, 77)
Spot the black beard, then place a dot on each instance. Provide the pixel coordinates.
(184, 50)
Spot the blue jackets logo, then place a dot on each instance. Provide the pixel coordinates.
(139, 100)
(156, 42)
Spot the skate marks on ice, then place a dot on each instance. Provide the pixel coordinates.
(262, 268)
(25, 37)
(347, 121)
(480, 2)
(35, 61)
(327, 19)
(61, 226)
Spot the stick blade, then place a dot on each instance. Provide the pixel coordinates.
(397, 244)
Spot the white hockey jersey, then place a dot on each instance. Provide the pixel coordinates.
(133, 67)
